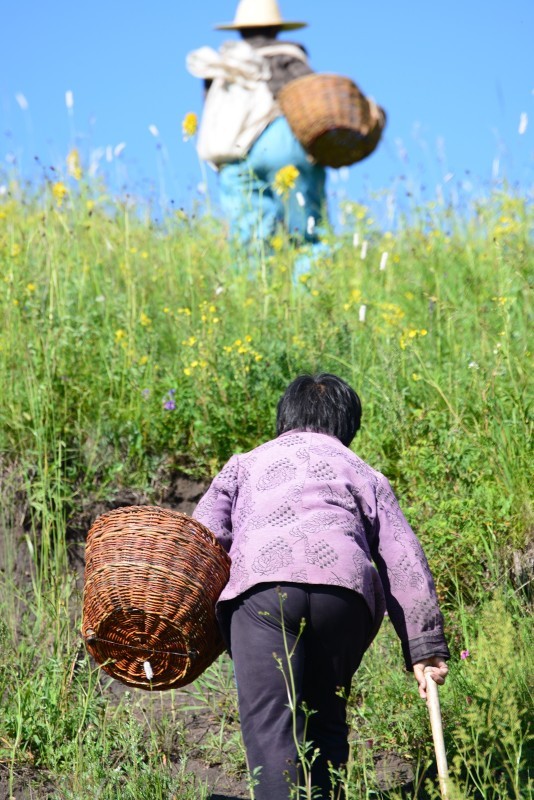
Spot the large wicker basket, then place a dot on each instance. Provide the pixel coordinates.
(152, 578)
(331, 118)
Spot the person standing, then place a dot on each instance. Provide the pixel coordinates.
(315, 534)
(266, 178)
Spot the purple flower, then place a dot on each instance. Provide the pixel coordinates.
(170, 405)
(171, 392)
(145, 393)
(464, 654)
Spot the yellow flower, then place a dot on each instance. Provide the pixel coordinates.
(189, 125)
(416, 376)
(285, 179)
(145, 320)
(187, 371)
(119, 334)
(31, 287)
(143, 360)
(60, 191)
(74, 166)
(277, 243)
(15, 250)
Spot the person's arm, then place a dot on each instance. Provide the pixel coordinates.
(409, 589)
(214, 510)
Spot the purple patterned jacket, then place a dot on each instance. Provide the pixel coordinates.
(303, 508)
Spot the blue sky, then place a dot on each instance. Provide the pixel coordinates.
(456, 78)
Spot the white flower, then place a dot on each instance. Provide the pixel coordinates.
(148, 670)
(362, 312)
(473, 365)
(109, 153)
(383, 260)
(310, 226)
(21, 100)
(118, 149)
(300, 199)
(153, 130)
(69, 99)
(356, 239)
(523, 122)
(363, 251)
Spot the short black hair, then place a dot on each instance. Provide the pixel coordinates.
(322, 403)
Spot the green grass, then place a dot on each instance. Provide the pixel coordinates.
(131, 352)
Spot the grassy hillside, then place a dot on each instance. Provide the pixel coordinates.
(132, 352)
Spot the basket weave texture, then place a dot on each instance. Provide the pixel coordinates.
(152, 579)
(331, 118)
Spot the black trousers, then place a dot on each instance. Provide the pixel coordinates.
(326, 653)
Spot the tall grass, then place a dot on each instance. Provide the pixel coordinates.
(133, 351)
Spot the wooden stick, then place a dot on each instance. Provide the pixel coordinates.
(434, 710)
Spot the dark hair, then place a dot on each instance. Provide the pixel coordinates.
(323, 403)
(270, 31)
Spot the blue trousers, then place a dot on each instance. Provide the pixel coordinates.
(326, 656)
(249, 201)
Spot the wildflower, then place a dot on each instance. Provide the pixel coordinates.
(383, 260)
(153, 130)
(416, 376)
(148, 670)
(285, 179)
(362, 312)
(277, 243)
(189, 125)
(119, 334)
(300, 199)
(69, 100)
(363, 251)
(145, 394)
(464, 654)
(145, 320)
(143, 360)
(187, 371)
(356, 240)
(60, 191)
(21, 100)
(169, 404)
(31, 287)
(74, 166)
(523, 122)
(118, 149)
(310, 226)
(15, 250)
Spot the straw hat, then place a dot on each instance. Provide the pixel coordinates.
(259, 14)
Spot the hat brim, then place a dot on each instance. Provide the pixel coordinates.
(284, 26)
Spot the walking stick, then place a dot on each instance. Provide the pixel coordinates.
(432, 701)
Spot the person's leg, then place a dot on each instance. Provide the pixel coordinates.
(267, 723)
(336, 638)
(247, 203)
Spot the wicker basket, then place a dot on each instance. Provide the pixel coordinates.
(152, 578)
(331, 118)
